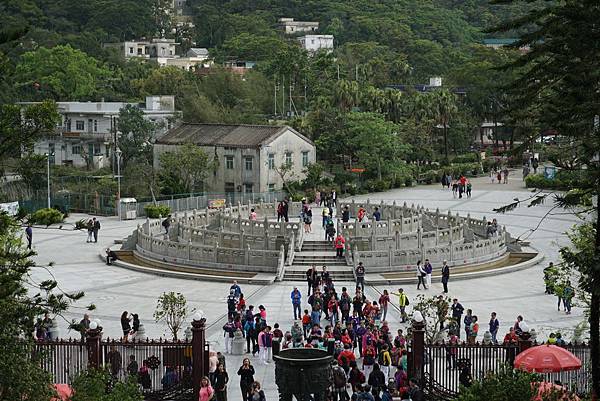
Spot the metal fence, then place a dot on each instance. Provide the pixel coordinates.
(442, 363)
(66, 359)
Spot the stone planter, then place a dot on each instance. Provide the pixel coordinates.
(301, 372)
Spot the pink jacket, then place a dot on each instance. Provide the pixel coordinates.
(205, 393)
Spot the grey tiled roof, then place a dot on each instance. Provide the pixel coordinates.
(240, 136)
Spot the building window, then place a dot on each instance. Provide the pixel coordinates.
(248, 188)
(229, 162)
(94, 149)
(131, 50)
(271, 161)
(76, 149)
(79, 125)
(139, 50)
(229, 187)
(95, 125)
(248, 163)
(288, 158)
(304, 159)
(68, 124)
(271, 187)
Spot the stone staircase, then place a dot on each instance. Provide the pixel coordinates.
(319, 254)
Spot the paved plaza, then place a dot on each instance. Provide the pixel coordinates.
(113, 289)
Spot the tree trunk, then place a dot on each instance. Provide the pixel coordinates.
(446, 140)
(595, 316)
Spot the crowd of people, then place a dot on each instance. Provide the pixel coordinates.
(460, 185)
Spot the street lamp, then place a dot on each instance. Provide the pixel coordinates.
(48, 174)
(118, 153)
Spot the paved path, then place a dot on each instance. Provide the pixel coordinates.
(114, 290)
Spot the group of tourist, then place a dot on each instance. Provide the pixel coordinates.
(499, 175)
(460, 185)
(560, 286)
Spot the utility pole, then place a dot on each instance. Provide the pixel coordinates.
(282, 95)
(356, 72)
(275, 98)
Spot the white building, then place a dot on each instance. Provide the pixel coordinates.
(315, 43)
(290, 27)
(155, 48)
(163, 53)
(249, 155)
(86, 135)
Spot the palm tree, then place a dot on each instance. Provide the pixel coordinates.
(346, 94)
(444, 107)
(374, 99)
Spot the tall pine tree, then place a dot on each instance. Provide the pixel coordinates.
(561, 86)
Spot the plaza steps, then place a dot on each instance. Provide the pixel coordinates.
(318, 253)
(134, 261)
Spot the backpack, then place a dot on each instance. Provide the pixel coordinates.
(381, 358)
(339, 378)
(231, 302)
(345, 304)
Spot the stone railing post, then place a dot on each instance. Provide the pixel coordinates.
(247, 255)
(199, 355)
(390, 256)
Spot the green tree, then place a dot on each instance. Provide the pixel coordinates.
(444, 107)
(22, 126)
(172, 308)
(561, 78)
(22, 303)
(184, 170)
(62, 73)
(136, 135)
(374, 141)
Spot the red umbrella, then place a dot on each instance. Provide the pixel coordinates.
(547, 359)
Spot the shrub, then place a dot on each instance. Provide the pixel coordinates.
(381, 185)
(81, 224)
(408, 182)
(46, 217)
(431, 176)
(155, 211)
(466, 158)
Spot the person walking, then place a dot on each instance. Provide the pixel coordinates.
(467, 321)
(340, 381)
(568, 293)
(280, 211)
(228, 333)
(445, 275)
(340, 243)
(346, 214)
(221, 380)
(473, 329)
(246, 373)
(345, 303)
(256, 394)
(29, 235)
(325, 216)
(125, 325)
(505, 173)
(421, 274)
(166, 223)
(494, 326)
(307, 220)
(333, 198)
(402, 303)
(384, 300)
(264, 344)
(377, 214)
(311, 275)
(285, 210)
(206, 391)
(90, 230)
(360, 276)
(429, 270)
(296, 297)
(457, 311)
(96, 228)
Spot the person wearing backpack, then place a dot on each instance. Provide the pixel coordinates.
(369, 354)
(377, 379)
(403, 302)
(344, 304)
(166, 223)
(339, 383)
(360, 276)
(229, 330)
(355, 377)
(384, 360)
(231, 304)
(250, 335)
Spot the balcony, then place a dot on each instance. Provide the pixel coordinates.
(68, 134)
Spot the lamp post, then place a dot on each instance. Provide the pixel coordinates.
(48, 174)
(418, 346)
(118, 152)
(199, 358)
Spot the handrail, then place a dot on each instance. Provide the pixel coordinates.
(280, 265)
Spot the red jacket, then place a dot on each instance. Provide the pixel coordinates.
(339, 242)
